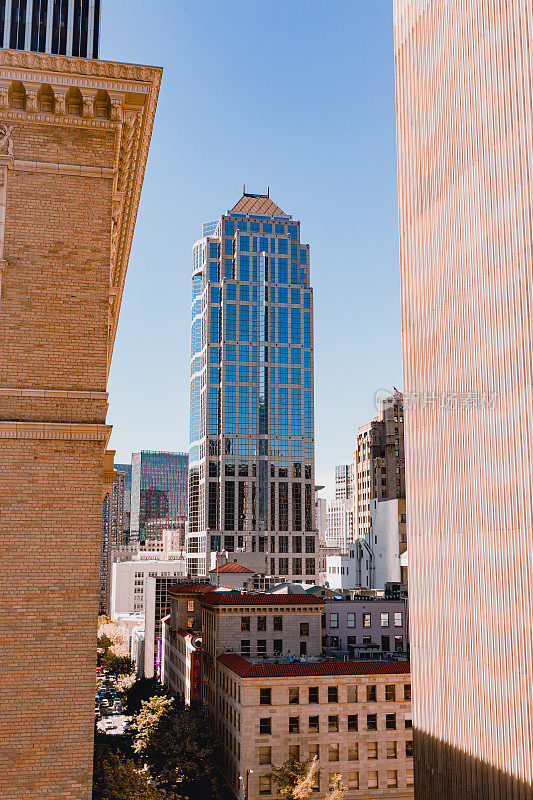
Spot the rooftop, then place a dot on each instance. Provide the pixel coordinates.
(191, 588)
(257, 204)
(258, 599)
(232, 566)
(246, 668)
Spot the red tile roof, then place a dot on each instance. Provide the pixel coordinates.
(251, 599)
(244, 668)
(190, 588)
(257, 204)
(231, 566)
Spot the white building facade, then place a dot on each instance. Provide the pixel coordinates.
(128, 582)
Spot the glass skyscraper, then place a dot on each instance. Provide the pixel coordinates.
(158, 493)
(251, 464)
(61, 27)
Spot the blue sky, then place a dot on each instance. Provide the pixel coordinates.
(297, 95)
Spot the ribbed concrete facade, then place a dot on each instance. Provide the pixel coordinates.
(465, 152)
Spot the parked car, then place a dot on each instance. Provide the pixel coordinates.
(118, 707)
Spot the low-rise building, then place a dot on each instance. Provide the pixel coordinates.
(233, 575)
(128, 580)
(355, 717)
(366, 627)
(351, 569)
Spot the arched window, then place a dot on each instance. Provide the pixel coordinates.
(46, 99)
(74, 103)
(102, 105)
(17, 95)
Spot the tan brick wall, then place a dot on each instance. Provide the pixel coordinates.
(68, 180)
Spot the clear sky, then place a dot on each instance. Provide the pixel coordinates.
(297, 95)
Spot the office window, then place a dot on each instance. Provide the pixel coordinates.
(278, 646)
(350, 620)
(407, 691)
(294, 695)
(333, 694)
(314, 725)
(392, 778)
(265, 697)
(245, 647)
(398, 619)
(265, 784)
(333, 723)
(408, 723)
(398, 644)
(390, 693)
(352, 722)
(316, 782)
(384, 619)
(304, 629)
(314, 750)
(303, 648)
(245, 623)
(385, 643)
(313, 694)
(353, 780)
(265, 755)
(372, 751)
(265, 725)
(294, 724)
(261, 647)
(409, 777)
(371, 693)
(261, 623)
(333, 752)
(392, 750)
(351, 693)
(278, 623)
(372, 780)
(353, 751)
(409, 749)
(367, 620)
(333, 620)
(371, 722)
(294, 752)
(390, 722)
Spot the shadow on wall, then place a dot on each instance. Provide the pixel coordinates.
(443, 772)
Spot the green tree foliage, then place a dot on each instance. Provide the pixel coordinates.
(181, 750)
(143, 689)
(116, 777)
(338, 792)
(295, 779)
(105, 642)
(117, 665)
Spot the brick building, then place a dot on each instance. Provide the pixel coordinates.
(74, 138)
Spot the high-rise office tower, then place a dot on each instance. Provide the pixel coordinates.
(343, 481)
(61, 27)
(126, 469)
(464, 81)
(158, 493)
(112, 534)
(251, 475)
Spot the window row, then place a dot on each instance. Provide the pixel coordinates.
(351, 751)
(353, 781)
(330, 694)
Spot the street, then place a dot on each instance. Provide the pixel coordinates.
(113, 725)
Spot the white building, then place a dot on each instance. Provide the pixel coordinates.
(340, 524)
(385, 540)
(128, 580)
(350, 570)
(321, 516)
(343, 481)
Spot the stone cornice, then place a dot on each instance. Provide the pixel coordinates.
(55, 430)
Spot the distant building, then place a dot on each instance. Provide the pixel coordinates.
(158, 493)
(321, 508)
(233, 575)
(126, 469)
(156, 606)
(366, 628)
(128, 582)
(66, 28)
(388, 539)
(112, 536)
(340, 530)
(351, 568)
(343, 481)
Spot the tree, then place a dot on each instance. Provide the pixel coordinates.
(339, 789)
(117, 665)
(104, 642)
(182, 752)
(295, 779)
(143, 689)
(116, 777)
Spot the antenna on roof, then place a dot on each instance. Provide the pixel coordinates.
(244, 188)
(268, 191)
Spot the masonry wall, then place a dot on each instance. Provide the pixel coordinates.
(53, 344)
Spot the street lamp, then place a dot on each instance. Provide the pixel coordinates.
(248, 773)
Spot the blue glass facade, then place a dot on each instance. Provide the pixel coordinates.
(158, 493)
(251, 412)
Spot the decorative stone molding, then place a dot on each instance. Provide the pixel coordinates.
(64, 169)
(60, 104)
(55, 430)
(52, 393)
(31, 101)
